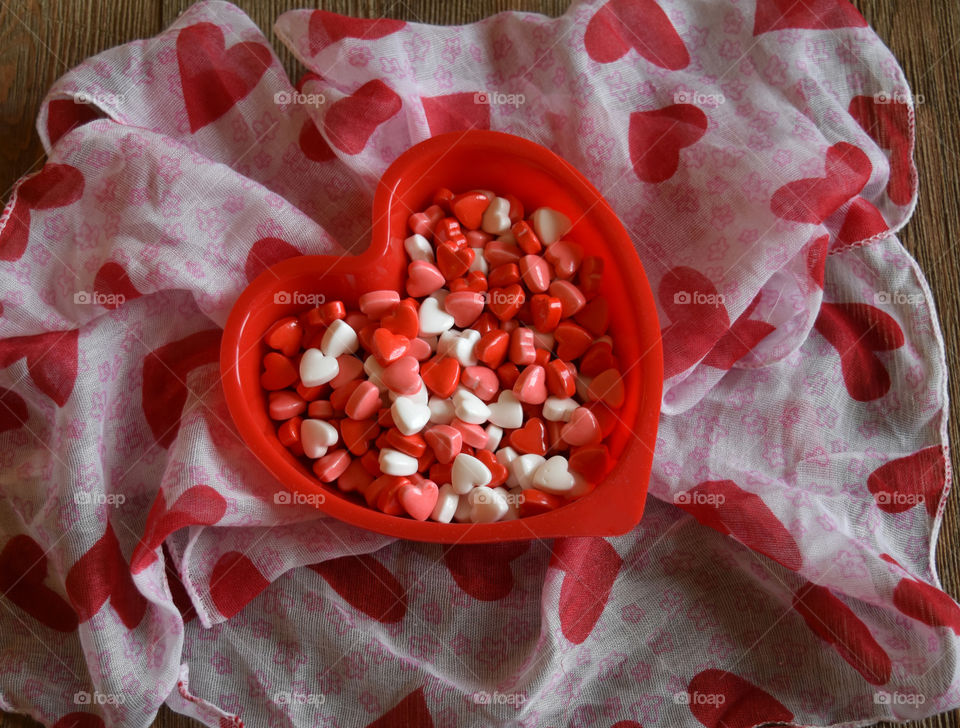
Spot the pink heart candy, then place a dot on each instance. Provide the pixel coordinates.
(377, 304)
(419, 499)
(403, 376)
(535, 272)
(582, 429)
(480, 380)
(350, 368)
(423, 278)
(464, 306)
(531, 385)
(364, 403)
(445, 441)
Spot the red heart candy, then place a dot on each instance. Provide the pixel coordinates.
(404, 320)
(546, 312)
(412, 445)
(454, 262)
(357, 434)
(278, 372)
(498, 470)
(536, 502)
(441, 375)
(531, 438)
(285, 336)
(500, 253)
(505, 303)
(590, 461)
(332, 465)
(560, 379)
(595, 316)
(469, 208)
(572, 340)
(387, 346)
(491, 349)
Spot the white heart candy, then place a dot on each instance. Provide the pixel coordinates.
(460, 345)
(554, 476)
(394, 462)
(506, 412)
(374, 371)
(408, 415)
(549, 224)
(447, 502)
(339, 339)
(524, 467)
(469, 407)
(433, 319)
(418, 248)
(494, 435)
(496, 218)
(468, 472)
(316, 368)
(487, 504)
(556, 409)
(462, 514)
(441, 411)
(316, 436)
(479, 262)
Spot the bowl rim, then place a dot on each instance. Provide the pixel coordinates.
(577, 518)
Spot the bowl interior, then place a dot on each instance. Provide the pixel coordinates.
(460, 161)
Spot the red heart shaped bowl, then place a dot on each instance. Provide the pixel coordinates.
(462, 161)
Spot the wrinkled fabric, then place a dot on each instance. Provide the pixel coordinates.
(759, 153)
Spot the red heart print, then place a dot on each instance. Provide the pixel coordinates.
(265, 253)
(455, 112)
(856, 331)
(65, 115)
(699, 317)
(112, 280)
(927, 604)
(80, 720)
(351, 121)
(234, 583)
(901, 484)
(817, 259)
(745, 334)
(199, 505)
(51, 360)
(13, 410)
(483, 570)
(56, 185)
(213, 77)
(325, 28)
(313, 145)
(814, 199)
(100, 574)
(744, 704)
(367, 585)
(656, 138)
(23, 571)
(411, 711)
(888, 124)
(725, 507)
(642, 25)
(834, 622)
(809, 14)
(591, 565)
(863, 222)
(165, 372)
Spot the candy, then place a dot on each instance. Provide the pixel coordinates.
(317, 368)
(434, 405)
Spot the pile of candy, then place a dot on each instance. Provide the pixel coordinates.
(485, 394)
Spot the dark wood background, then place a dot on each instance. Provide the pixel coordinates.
(39, 41)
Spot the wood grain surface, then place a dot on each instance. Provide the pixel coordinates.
(39, 41)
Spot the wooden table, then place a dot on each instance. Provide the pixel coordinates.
(41, 40)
